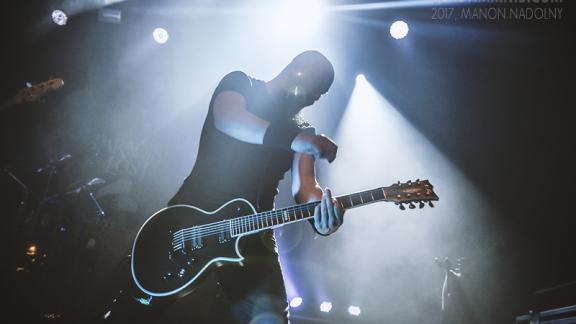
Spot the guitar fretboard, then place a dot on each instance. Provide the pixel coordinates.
(292, 214)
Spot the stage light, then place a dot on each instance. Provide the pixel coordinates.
(360, 78)
(354, 310)
(59, 17)
(160, 35)
(325, 307)
(295, 302)
(31, 250)
(399, 29)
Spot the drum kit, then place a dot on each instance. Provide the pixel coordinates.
(42, 217)
(52, 235)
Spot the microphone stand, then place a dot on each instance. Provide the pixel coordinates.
(18, 181)
(449, 271)
(98, 206)
(460, 309)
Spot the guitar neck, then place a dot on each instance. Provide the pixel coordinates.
(274, 218)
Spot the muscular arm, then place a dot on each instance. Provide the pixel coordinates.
(305, 188)
(232, 118)
(328, 215)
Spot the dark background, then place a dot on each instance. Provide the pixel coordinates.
(496, 98)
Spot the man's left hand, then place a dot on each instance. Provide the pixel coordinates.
(329, 214)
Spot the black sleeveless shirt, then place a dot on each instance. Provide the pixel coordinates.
(227, 168)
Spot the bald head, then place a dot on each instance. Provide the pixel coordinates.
(316, 66)
(307, 77)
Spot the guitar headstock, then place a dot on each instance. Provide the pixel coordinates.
(34, 92)
(411, 192)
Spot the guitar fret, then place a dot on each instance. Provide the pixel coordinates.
(355, 199)
(273, 218)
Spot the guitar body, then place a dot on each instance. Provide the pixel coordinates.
(171, 253)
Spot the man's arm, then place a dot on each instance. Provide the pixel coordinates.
(328, 216)
(232, 118)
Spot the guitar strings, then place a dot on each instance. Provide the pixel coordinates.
(243, 224)
(240, 223)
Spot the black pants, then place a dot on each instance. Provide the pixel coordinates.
(253, 293)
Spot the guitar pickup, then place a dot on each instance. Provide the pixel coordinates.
(224, 237)
(195, 240)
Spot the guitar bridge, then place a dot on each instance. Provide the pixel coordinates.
(187, 240)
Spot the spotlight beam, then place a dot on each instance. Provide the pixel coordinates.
(390, 5)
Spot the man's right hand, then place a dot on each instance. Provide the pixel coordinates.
(320, 146)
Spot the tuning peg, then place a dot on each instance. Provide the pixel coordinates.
(421, 205)
(430, 204)
(411, 206)
(402, 207)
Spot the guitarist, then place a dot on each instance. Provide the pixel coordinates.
(252, 135)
